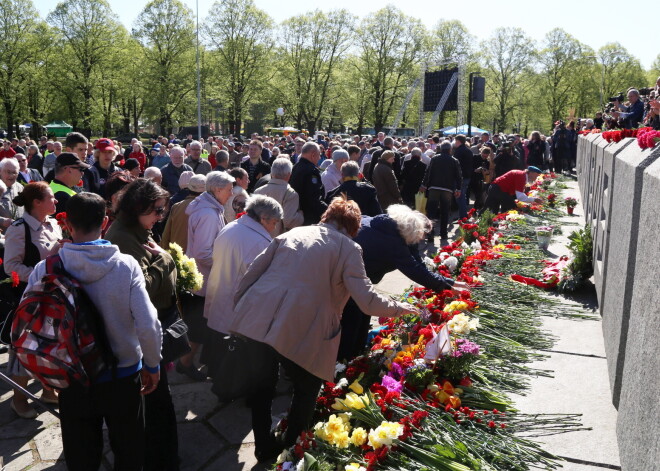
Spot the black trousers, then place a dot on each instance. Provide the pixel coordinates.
(438, 206)
(161, 438)
(82, 412)
(306, 388)
(355, 326)
(193, 314)
(497, 201)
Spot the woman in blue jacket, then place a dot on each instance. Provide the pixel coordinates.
(389, 242)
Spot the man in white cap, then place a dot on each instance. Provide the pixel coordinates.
(331, 178)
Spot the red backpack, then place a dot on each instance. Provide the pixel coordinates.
(58, 334)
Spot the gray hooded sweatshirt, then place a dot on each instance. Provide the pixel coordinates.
(115, 284)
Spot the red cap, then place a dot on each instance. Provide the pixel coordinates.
(105, 144)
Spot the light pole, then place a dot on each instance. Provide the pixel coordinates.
(199, 88)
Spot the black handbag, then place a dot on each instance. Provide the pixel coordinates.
(239, 370)
(175, 335)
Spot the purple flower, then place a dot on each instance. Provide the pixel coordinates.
(391, 384)
(464, 346)
(397, 370)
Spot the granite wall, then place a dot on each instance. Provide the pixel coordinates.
(620, 188)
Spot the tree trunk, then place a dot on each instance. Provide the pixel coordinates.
(9, 113)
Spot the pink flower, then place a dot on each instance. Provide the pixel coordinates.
(391, 384)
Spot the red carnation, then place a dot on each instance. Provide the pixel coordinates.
(14, 279)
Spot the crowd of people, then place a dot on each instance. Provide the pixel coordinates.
(290, 234)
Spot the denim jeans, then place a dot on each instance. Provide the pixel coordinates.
(464, 199)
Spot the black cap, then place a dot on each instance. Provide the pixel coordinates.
(131, 164)
(66, 159)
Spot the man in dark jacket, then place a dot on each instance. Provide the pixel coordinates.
(255, 166)
(464, 155)
(388, 144)
(412, 176)
(630, 115)
(361, 192)
(505, 160)
(443, 180)
(388, 242)
(306, 180)
(172, 171)
(561, 148)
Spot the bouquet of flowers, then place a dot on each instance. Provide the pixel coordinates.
(188, 277)
(13, 278)
(61, 219)
(570, 202)
(647, 138)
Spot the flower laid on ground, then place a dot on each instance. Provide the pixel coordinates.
(188, 276)
(462, 324)
(647, 138)
(384, 434)
(406, 403)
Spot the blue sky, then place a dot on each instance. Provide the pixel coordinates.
(593, 23)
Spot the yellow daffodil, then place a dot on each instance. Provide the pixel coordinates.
(356, 387)
(359, 436)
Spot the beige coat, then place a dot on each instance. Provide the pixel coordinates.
(176, 228)
(282, 192)
(293, 295)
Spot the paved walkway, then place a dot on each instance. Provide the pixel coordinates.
(215, 436)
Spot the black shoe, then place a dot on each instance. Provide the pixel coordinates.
(271, 451)
(190, 371)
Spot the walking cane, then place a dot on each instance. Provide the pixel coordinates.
(13, 384)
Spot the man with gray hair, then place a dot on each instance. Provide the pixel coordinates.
(195, 160)
(205, 221)
(388, 144)
(222, 161)
(362, 193)
(172, 171)
(153, 173)
(234, 250)
(306, 180)
(331, 178)
(279, 189)
(9, 212)
(49, 160)
(630, 115)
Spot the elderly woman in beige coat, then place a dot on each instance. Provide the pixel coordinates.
(289, 306)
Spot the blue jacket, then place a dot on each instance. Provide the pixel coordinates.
(171, 176)
(633, 115)
(384, 250)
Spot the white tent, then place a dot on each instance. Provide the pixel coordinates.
(464, 130)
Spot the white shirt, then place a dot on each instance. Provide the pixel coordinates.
(425, 158)
(331, 178)
(520, 196)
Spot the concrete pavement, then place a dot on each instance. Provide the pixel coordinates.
(215, 436)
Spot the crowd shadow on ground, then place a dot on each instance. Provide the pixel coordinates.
(21, 439)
